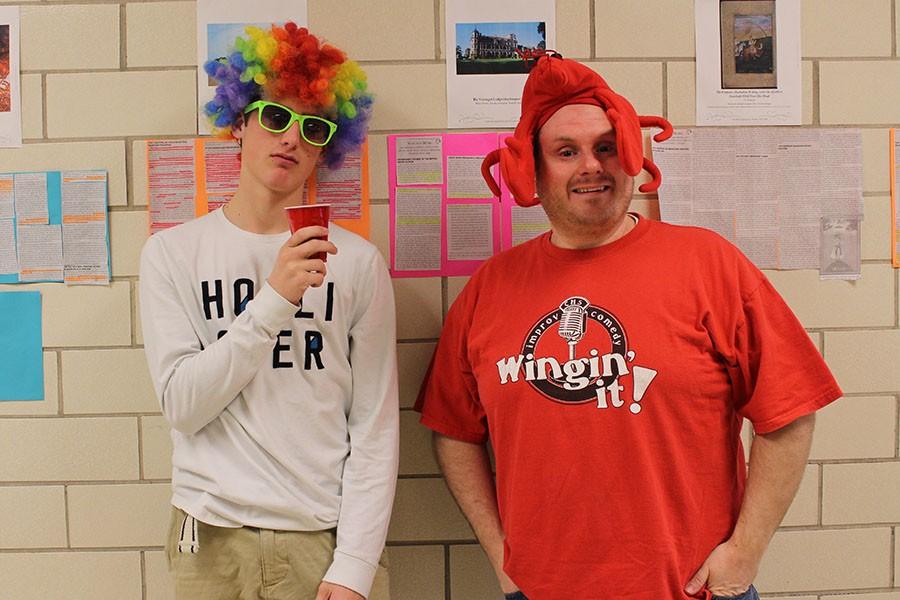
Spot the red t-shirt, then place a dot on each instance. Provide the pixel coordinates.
(612, 383)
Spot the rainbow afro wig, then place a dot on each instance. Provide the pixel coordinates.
(290, 62)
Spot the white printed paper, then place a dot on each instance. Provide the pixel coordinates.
(486, 42)
(31, 198)
(418, 228)
(748, 62)
(40, 252)
(764, 189)
(8, 261)
(470, 231)
(419, 160)
(85, 252)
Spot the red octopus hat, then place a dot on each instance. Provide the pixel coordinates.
(555, 82)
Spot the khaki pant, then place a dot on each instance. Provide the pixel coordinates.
(255, 564)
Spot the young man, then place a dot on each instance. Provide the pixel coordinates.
(611, 363)
(276, 369)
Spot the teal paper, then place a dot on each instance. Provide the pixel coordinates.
(21, 355)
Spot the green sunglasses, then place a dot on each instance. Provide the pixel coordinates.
(278, 118)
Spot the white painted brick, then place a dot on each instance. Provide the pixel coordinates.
(418, 307)
(442, 30)
(640, 82)
(862, 28)
(32, 106)
(70, 37)
(861, 493)
(71, 575)
(424, 510)
(412, 361)
(875, 229)
(805, 508)
(859, 92)
(107, 381)
(72, 155)
(103, 516)
(379, 229)
(156, 448)
(378, 167)
(68, 449)
(816, 337)
(820, 303)
(160, 582)
(471, 574)
(134, 104)
(660, 28)
(865, 596)
(394, 29)
(396, 109)
(416, 572)
(573, 28)
(826, 560)
(49, 405)
(138, 331)
(32, 517)
(139, 173)
(876, 145)
(681, 96)
(161, 34)
(806, 110)
(864, 361)
(416, 456)
(455, 286)
(127, 233)
(856, 427)
(72, 315)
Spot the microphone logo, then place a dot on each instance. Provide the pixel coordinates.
(573, 321)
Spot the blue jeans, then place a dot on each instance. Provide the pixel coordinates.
(515, 596)
(750, 594)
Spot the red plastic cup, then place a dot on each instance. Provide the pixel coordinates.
(306, 215)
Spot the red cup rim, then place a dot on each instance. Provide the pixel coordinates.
(308, 205)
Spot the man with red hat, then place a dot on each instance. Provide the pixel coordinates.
(611, 362)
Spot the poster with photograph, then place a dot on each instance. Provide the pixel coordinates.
(748, 62)
(10, 89)
(219, 22)
(444, 219)
(491, 47)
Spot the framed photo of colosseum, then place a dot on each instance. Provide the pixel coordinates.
(495, 48)
(748, 37)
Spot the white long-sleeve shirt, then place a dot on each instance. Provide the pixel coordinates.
(272, 427)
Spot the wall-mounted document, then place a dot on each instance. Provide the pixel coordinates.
(219, 22)
(490, 49)
(764, 189)
(10, 82)
(54, 227)
(189, 178)
(444, 218)
(748, 62)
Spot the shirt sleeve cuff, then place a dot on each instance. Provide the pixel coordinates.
(351, 572)
(271, 309)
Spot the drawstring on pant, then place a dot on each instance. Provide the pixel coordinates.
(189, 541)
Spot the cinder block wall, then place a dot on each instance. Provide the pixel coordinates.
(84, 474)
